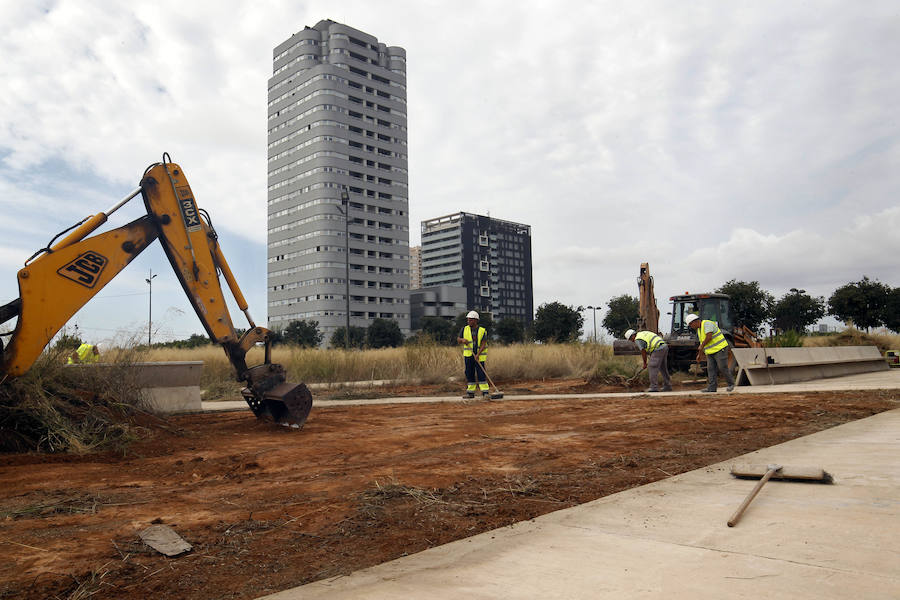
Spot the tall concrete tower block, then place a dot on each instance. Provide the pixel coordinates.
(337, 124)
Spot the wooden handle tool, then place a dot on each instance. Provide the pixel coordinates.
(771, 470)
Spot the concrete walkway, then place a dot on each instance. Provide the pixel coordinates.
(864, 381)
(670, 540)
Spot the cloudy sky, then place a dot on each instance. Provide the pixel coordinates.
(757, 141)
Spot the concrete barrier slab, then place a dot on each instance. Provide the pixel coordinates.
(769, 366)
(166, 387)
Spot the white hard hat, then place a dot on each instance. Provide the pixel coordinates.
(629, 333)
(690, 318)
(472, 315)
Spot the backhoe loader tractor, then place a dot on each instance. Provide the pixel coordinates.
(682, 340)
(61, 278)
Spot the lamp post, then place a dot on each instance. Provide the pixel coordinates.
(149, 281)
(345, 202)
(594, 308)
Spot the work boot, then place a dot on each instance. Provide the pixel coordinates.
(709, 391)
(667, 388)
(730, 388)
(485, 395)
(651, 390)
(469, 395)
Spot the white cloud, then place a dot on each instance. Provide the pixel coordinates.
(718, 141)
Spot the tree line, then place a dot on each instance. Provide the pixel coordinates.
(554, 322)
(866, 303)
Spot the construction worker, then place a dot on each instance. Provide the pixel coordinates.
(85, 353)
(715, 346)
(651, 344)
(474, 341)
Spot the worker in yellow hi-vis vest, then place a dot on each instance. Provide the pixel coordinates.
(84, 354)
(655, 347)
(715, 346)
(474, 339)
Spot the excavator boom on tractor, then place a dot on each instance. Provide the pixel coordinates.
(61, 278)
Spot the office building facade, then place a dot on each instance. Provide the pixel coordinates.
(337, 123)
(415, 267)
(444, 301)
(490, 258)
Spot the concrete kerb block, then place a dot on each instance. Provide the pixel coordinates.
(766, 366)
(170, 387)
(165, 387)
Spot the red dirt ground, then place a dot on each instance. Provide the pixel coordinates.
(267, 508)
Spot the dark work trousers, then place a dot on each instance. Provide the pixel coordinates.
(657, 364)
(475, 374)
(715, 362)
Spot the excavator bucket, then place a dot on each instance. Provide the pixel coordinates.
(625, 348)
(271, 397)
(287, 404)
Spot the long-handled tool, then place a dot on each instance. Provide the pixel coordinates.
(634, 377)
(497, 393)
(773, 471)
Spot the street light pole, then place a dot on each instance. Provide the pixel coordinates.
(149, 281)
(345, 202)
(594, 308)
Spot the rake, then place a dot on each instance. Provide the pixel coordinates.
(777, 472)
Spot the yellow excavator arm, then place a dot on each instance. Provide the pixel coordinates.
(58, 280)
(648, 313)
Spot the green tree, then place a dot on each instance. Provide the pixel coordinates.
(862, 302)
(357, 337)
(797, 310)
(438, 329)
(891, 317)
(556, 322)
(195, 340)
(67, 342)
(384, 333)
(305, 334)
(622, 315)
(510, 331)
(750, 304)
(276, 336)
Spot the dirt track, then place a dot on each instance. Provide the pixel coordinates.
(267, 508)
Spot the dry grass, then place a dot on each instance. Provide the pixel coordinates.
(421, 363)
(854, 337)
(53, 408)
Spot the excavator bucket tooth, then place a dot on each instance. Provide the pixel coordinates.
(286, 403)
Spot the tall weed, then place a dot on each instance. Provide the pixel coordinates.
(54, 408)
(423, 362)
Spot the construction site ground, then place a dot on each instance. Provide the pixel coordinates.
(267, 508)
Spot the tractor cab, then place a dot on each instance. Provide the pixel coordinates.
(709, 307)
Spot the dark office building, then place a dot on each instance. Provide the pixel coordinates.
(491, 258)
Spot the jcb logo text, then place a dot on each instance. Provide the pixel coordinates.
(85, 270)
